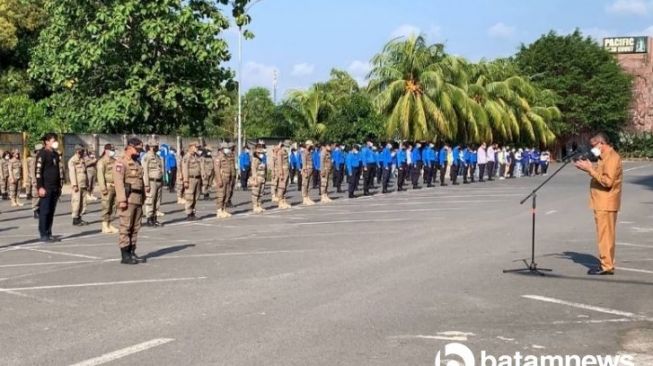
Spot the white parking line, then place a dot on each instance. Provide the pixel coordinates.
(584, 306)
(347, 221)
(635, 245)
(634, 270)
(636, 168)
(112, 356)
(99, 284)
(61, 253)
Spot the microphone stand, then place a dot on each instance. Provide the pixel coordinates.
(532, 268)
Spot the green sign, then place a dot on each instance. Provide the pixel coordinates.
(626, 44)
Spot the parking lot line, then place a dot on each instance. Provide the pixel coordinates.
(112, 356)
(584, 306)
(99, 284)
(634, 270)
(61, 253)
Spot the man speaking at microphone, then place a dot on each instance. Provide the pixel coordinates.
(605, 198)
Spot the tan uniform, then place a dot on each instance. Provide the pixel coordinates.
(15, 170)
(107, 186)
(192, 171)
(282, 172)
(605, 200)
(232, 162)
(326, 167)
(128, 180)
(307, 171)
(77, 175)
(257, 181)
(31, 184)
(207, 174)
(4, 177)
(272, 164)
(91, 174)
(179, 184)
(225, 175)
(153, 178)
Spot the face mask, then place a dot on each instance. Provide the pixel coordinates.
(55, 145)
(7, 157)
(596, 151)
(112, 153)
(227, 151)
(261, 156)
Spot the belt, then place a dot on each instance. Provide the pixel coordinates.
(137, 191)
(156, 180)
(197, 177)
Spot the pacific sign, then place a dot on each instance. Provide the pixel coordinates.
(626, 44)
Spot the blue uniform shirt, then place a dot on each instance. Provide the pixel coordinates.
(416, 156)
(316, 159)
(244, 161)
(442, 155)
(401, 157)
(353, 161)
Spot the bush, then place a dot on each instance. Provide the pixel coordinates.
(636, 145)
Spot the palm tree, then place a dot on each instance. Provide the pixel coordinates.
(419, 89)
(509, 104)
(310, 109)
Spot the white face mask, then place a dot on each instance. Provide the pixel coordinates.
(55, 145)
(261, 156)
(112, 153)
(227, 151)
(596, 151)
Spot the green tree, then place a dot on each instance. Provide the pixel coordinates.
(258, 111)
(308, 110)
(136, 66)
(419, 88)
(594, 93)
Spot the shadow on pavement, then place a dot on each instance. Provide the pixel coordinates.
(644, 181)
(82, 234)
(587, 260)
(8, 228)
(169, 250)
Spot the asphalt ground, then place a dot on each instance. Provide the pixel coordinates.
(382, 280)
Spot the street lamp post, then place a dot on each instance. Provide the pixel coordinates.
(240, 80)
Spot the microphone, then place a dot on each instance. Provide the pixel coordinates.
(581, 153)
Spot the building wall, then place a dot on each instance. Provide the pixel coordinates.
(641, 67)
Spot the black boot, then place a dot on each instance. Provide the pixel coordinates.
(206, 197)
(149, 222)
(132, 252)
(76, 221)
(82, 222)
(229, 204)
(126, 256)
(191, 217)
(157, 223)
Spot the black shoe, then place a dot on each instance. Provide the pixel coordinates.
(417, 187)
(230, 205)
(352, 196)
(599, 272)
(206, 197)
(481, 180)
(126, 257)
(443, 184)
(191, 217)
(45, 239)
(132, 253)
(455, 184)
(82, 222)
(400, 189)
(465, 182)
(77, 222)
(490, 180)
(53, 238)
(150, 222)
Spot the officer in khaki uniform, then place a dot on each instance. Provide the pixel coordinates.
(130, 194)
(91, 173)
(179, 184)
(605, 199)
(225, 175)
(282, 169)
(207, 172)
(326, 167)
(192, 172)
(153, 178)
(107, 187)
(232, 162)
(257, 178)
(4, 175)
(15, 170)
(31, 174)
(273, 164)
(307, 172)
(77, 175)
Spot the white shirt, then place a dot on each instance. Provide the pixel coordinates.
(490, 154)
(482, 156)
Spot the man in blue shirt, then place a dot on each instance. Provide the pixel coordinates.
(316, 166)
(418, 163)
(442, 160)
(244, 164)
(338, 160)
(369, 163)
(385, 159)
(354, 165)
(402, 166)
(428, 157)
(534, 162)
(377, 166)
(171, 167)
(295, 163)
(467, 158)
(455, 165)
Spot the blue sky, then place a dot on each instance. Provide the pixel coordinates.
(304, 39)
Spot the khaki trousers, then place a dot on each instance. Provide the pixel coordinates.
(606, 222)
(130, 224)
(108, 203)
(191, 195)
(78, 203)
(153, 199)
